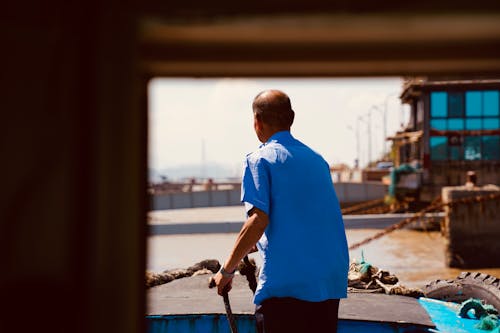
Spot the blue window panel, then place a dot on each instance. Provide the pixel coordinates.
(472, 148)
(439, 124)
(490, 100)
(473, 124)
(491, 147)
(455, 124)
(456, 104)
(491, 123)
(439, 148)
(439, 104)
(473, 103)
(455, 154)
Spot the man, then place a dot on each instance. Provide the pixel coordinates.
(294, 218)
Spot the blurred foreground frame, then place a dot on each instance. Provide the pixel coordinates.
(73, 221)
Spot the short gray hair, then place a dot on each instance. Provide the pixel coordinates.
(273, 107)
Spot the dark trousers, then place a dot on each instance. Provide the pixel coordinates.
(276, 315)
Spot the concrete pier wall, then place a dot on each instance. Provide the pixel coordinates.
(357, 192)
(195, 199)
(346, 193)
(472, 230)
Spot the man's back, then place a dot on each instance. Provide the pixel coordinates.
(295, 220)
(304, 246)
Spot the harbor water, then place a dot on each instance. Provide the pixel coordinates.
(416, 257)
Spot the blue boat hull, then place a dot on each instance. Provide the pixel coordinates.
(217, 323)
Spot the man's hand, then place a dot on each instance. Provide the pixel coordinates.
(224, 284)
(249, 235)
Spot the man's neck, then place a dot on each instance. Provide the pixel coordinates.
(273, 132)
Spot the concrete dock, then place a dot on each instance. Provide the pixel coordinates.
(229, 219)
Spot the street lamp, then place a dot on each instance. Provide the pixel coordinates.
(386, 101)
(384, 118)
(357, 143)
(373, 108)
(360, 118)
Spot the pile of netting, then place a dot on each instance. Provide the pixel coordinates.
(487, 314)
(364, 277)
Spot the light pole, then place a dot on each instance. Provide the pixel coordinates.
(357, 142)
(383, 112)
(360, 118)
(386, 101)
(372, 108)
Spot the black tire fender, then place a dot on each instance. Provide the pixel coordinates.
(467, 285)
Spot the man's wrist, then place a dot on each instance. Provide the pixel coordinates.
(225, 273)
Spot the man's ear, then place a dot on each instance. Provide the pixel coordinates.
(258, 123)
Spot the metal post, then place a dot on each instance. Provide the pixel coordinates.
(373, 107)
(377, 108)
(369, 135)
(356, 133)
(384, 148)
(358, 153)
(386, 101)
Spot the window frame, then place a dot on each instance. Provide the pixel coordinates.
(449, 121)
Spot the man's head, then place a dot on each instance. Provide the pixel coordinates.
(272, 113)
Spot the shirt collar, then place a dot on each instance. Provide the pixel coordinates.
(278, 137)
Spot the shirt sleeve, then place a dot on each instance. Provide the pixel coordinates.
(255, 185)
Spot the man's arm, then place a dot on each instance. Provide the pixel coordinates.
(249, 235)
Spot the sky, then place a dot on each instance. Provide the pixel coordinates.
(198, 122)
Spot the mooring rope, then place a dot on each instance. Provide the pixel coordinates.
(436, 204)
(248, 268)
(362, 206)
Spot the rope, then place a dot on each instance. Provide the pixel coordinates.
(362, 206)
(383, 209)
(248, 269)
(436, 204)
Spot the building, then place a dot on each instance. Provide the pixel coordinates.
(454, 127)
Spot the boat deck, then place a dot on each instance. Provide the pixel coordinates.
(190, 296)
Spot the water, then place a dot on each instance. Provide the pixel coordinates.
(415, 257)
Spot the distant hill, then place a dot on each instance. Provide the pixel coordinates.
(182, 172)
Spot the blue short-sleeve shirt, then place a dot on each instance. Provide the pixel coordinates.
(304, 247)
